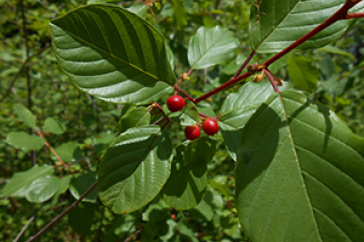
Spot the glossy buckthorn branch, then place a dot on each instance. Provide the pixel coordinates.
(53, 151)
(245, 63)
(222, 87)
(341, 14)
(354, 15)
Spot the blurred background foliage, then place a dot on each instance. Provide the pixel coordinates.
(79, 127)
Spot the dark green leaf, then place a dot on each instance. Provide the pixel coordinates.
(188, 181)
(134, 169)
(300, 168)
(81, 183)
(112, 54)
(81, 218)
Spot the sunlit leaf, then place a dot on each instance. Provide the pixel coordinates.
(112, 54)
(211, 46)
(134, 169)
(275, 24)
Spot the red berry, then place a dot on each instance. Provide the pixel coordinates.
(192, 132)
(175, 103)
(210, 126)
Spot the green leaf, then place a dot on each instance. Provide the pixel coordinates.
(239, 107)
(134, 169)
(80, 219)
(68, 151)
(211, 46)
(19, 184)
(63, 184)
(42, 189)
(300, 168)
(112, 54)
(24, 141)
(188, 182)
(301, 72)
(190, 115)
(134, 117)
(53, 125)
(336, 50)
(81, 183)
(276, 24)
(25, 115)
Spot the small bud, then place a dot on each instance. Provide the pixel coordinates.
(258, 78)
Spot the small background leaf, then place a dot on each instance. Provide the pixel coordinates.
(53, 125)
(302, 73)
(211, 46)
(25, 141)
(188, 182)
(25, 115)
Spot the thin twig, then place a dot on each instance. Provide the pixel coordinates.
(20, 71)
(56, 219)
(244, 64)
(24, 228)
(53, 151)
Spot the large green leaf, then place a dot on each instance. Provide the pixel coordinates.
(19, 184)
(42, 189)
(276, 24)
(239, 107)
(211, 46)
(302, 73)
(25, 115)
(112, 54)
(300, 174)
(188, 182)
(134, 169)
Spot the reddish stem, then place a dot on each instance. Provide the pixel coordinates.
(339, 15)
(53, 151)
(222, 87)
(271, 80)
(245, 63)
(354, 15)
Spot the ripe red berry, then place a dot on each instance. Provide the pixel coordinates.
(175, 103)
(192, 132)
(210, 126)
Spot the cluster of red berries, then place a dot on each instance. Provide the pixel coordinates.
(209, 125)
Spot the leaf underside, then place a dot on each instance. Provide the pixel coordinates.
(276, 24)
